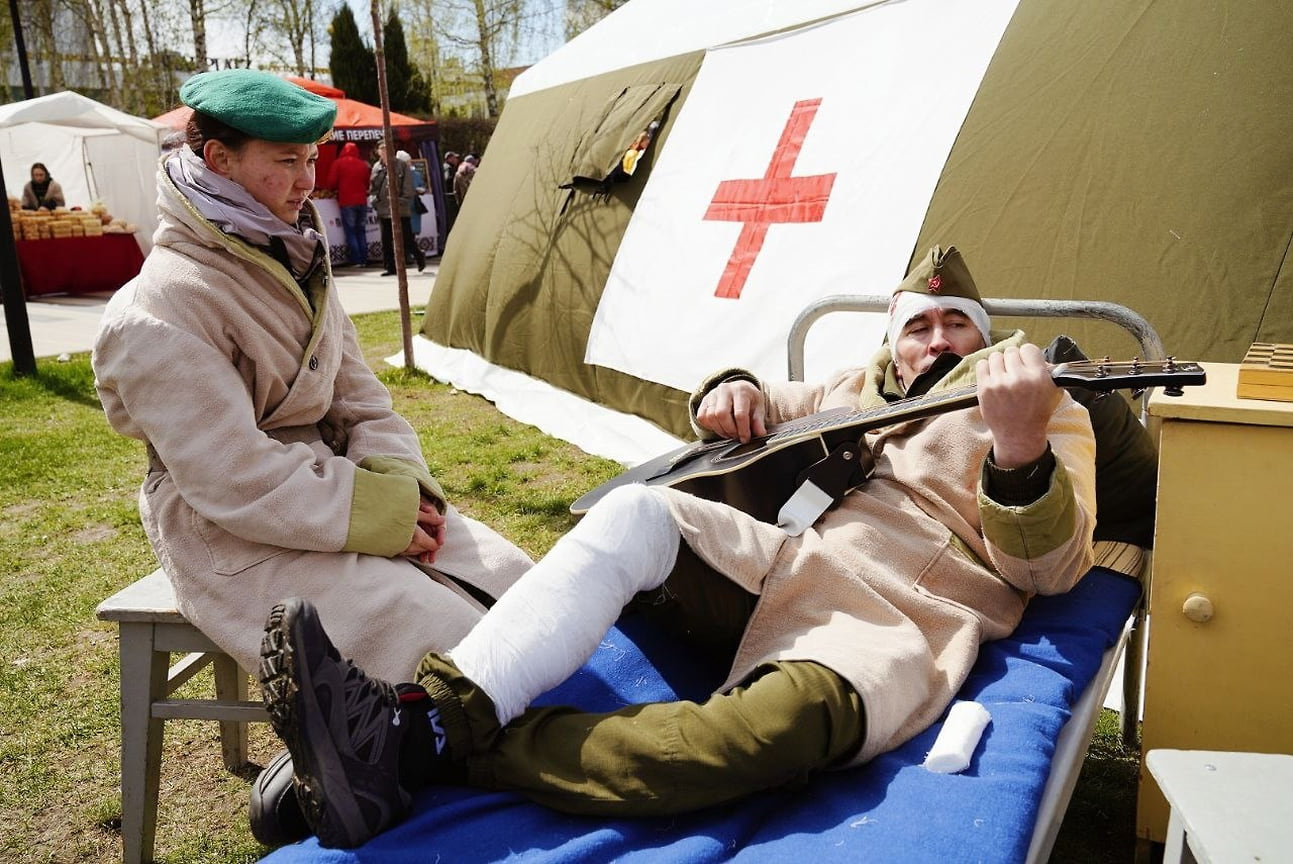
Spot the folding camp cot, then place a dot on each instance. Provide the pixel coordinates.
(1043, 687)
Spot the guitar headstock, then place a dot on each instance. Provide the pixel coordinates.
(1170, 374)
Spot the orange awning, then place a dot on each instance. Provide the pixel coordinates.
(351, 114)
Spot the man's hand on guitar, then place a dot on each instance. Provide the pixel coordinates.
(733, 409)
(1017, 397)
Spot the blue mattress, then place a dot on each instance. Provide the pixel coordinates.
(891, 809)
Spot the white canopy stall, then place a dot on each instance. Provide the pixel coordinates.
(96, 153)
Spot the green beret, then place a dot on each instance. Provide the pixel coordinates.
(262, 105)
(943, 273)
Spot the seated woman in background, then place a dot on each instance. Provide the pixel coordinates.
(42, 192)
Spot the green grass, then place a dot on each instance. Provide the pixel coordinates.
(70, 536)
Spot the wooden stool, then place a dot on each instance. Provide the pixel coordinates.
(150, 629)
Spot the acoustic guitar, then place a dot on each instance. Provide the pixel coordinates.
(759, 476)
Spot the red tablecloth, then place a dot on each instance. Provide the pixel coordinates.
(78, 265)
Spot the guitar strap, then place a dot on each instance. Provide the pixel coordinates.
(823, 484)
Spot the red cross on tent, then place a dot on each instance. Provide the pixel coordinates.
(775, 197)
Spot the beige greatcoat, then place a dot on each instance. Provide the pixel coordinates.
(277, 465)
(897, 587)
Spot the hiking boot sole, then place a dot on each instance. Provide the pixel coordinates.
(325, 793)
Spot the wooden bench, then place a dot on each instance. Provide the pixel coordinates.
(151, 628)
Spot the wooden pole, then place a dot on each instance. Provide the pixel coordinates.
(15, 299)
(21, 45)
(392, 194)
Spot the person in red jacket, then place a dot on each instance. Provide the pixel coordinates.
(349, 176)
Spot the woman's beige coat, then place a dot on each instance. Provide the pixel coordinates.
(897, 587)
(277, 466)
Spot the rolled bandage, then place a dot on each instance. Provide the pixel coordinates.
(960, 735)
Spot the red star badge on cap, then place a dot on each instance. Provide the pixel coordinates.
(935, 282)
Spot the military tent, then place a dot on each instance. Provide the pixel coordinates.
(1135, 151)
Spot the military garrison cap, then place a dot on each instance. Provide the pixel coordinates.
(941, 279)
(261, 105)
(943, 273)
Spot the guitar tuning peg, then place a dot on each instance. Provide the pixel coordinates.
(1137, 393)
(1136, 368)
(1169, 365)
(1173, 391)
(1102, 368)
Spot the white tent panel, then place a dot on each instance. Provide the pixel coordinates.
(57, 148)
(641, 31)
(840, 150)
(76, 111)
(124, 176)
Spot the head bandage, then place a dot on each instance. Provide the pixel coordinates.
(908, 304)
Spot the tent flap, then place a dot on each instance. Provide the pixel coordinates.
(527, 259)
(629, 116)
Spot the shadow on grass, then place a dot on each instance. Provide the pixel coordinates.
(69, 381)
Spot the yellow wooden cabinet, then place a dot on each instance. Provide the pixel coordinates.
(1219, 672)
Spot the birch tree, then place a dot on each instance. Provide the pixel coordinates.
(484, 33)
(198, 15)
(43, 46)
(425, 53)
(298, 25)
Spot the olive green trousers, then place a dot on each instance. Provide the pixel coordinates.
(786, 721)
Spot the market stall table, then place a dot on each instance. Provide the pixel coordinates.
(78, 265)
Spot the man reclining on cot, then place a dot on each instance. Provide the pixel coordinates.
(844, 641)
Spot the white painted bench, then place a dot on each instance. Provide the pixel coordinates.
(150, 630)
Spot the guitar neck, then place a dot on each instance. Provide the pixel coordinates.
(695, 467)
(1099, 375)
(873, 418)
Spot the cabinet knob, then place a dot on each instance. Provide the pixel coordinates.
(1198, 608)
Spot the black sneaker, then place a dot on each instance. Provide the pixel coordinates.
(344, 729)
(274, 812)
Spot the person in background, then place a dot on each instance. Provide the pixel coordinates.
(447, 171)
(450, 167)
(349, 176)
(276, 461)
(419, 189)
(42, 192)
(463, 176)
(401, 177)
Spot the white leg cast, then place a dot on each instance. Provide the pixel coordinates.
(550, 622)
